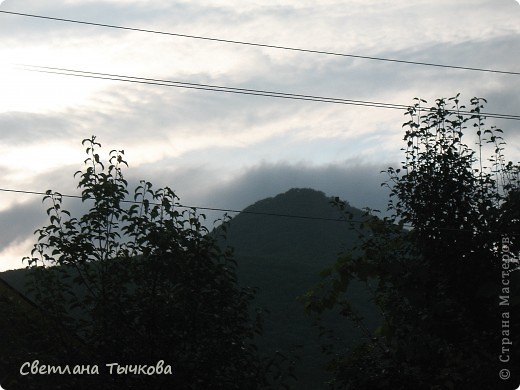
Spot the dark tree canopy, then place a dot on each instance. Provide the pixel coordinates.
(438, 267)
(139, 282)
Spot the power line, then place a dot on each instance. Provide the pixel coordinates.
(206, 87)
(236, 42)
(304, 217)
(242, 91)
(191, 207)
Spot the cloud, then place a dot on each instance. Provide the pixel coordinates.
(228, 150)
(20, 221)
(17, 225)
(353, 181)
(357, 183)
(22, 128)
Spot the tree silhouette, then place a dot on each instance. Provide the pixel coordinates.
(141, 282)
(440, 284)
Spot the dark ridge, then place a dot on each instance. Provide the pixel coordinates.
(283, 258)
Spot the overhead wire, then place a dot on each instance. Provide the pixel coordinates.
(189, 207)
(234, 90)
(207, 87)
(268, 46)
(225, 210)
(179, 84)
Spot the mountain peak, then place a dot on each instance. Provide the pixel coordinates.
(304, 202)
(301, 219)
(282, 252)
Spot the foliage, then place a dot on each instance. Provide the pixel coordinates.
(438, 284)
(142, 281)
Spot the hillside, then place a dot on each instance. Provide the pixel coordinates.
(283, 257)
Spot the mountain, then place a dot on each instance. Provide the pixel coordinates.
(283, 256)
(281, 245)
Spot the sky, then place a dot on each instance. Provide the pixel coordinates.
(223, 150)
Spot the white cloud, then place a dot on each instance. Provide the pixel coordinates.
(210, 143)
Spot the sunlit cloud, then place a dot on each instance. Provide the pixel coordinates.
(208, 143)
